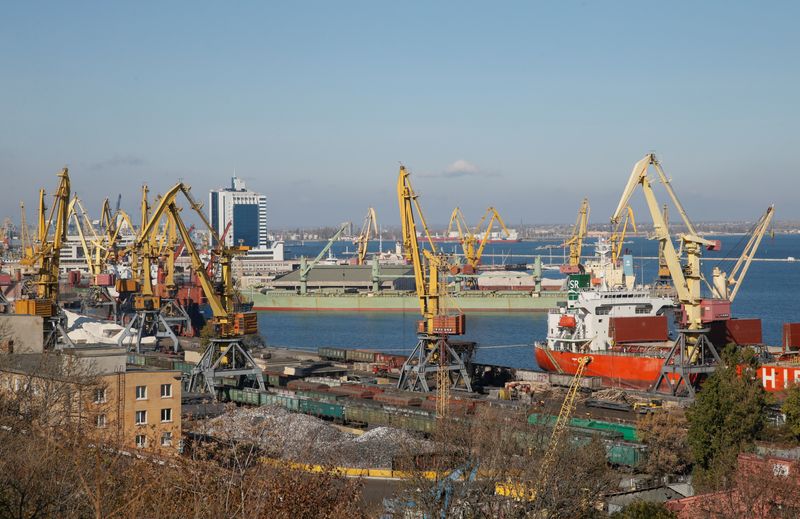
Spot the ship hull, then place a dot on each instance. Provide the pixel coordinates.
(621, 370)
(408, 302)
(627, 371)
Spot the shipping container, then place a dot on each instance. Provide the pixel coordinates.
(638, 329)
(360, 356)
(332, 353)
(393, 361)
(104, 280)
(5, 279)
(715, 310)
(791, 336)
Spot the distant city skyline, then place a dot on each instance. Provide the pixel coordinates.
(525, 106)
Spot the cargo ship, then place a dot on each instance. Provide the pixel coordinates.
(390, 288)
(625, 331)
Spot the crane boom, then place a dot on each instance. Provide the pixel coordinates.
(575, 243)
(370, 225)
(686, 279)
(726, 286)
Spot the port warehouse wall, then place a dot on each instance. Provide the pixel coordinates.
(619, 439)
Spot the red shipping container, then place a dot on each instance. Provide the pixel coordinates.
(5, 279)
(743, 331)
(104, 280)
(639, 329)
(791, 336)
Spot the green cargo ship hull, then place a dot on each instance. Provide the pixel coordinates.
(404, 302)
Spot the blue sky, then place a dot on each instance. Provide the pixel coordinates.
(527, 106)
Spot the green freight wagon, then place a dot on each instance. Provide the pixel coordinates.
(624, 453)
(183, 367)
(360, 356)
(251, 396)
(288, 402)
(320, 395)
(627, 431)
(322, 409)
(332, 353)
(135, 359)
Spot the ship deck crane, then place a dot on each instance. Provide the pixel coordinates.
(618, 236)
(306, 266)
(362, 240)
(726, 286)
(575, 243)
(433, 353)
(692, 353)
(45, 257)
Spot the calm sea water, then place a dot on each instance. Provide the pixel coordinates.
(769, 291)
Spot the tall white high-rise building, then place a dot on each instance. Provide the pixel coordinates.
(245, 210)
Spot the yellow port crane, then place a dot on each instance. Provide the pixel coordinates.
(692, 355)
(433, 354)
(362, 240)
(226, 355)
(473, 241)
(575, 243)
(44, 257)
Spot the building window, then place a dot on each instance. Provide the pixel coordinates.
(166, 415)
(100, 420)
(166, 390)
(100, 396)
(166, 439)
(141, 441)
(141, 417)
(141, 392)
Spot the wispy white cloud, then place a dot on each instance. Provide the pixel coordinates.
(461, 168)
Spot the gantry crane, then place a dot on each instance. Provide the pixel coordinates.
(575, 243)
(473, 241)
(692, 354)
(726, 285)
(226, 356)
(153, 312)
(433, 353)
(362, 240)
(44, 257)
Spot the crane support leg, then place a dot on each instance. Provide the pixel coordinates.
(147, 323)
(422, 366)
(55, 329)
(225, 358)
(692, 358)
